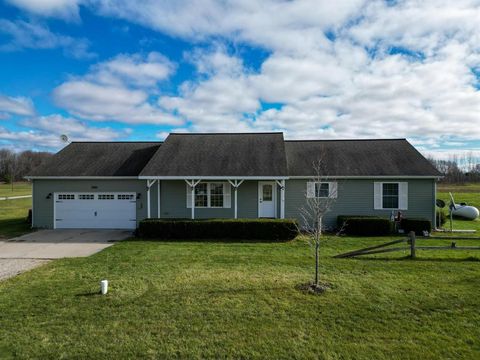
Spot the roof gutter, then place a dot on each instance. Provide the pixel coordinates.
(196, 177)
(81, 177)
(368, 177)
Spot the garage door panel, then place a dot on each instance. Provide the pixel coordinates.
(95, 210)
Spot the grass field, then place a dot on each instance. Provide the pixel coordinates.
(13, 215)
(19, 188)
(238, 300)
(469, 193)
(221, 300)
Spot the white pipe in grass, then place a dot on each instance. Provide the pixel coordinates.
(104, 287)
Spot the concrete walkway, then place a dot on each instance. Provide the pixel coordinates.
(31, 250)
(15, 197)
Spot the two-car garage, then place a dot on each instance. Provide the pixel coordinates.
(95, 210)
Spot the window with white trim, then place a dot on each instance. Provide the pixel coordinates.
(216, 194)
(201, 195)
(390, 195)
(321, 190)
(210, 195)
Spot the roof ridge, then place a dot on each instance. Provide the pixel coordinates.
(116, 142)
(229, 133)
(312, 140)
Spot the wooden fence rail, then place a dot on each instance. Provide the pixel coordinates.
(410, 245)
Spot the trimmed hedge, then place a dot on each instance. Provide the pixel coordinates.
(417, 225)
(365, 225)
(240, 229)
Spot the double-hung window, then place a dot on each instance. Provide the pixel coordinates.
(210, 195)
(391, 195)
(201, 195)
(321, 190)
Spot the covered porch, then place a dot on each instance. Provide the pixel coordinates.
(215, 197)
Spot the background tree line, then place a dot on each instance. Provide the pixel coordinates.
(458, 169)
(15, 166)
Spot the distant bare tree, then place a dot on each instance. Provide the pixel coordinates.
(320, 195)
(15, 166)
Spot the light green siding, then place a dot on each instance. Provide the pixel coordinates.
(43, 207)
(355, 197)
(174, 202)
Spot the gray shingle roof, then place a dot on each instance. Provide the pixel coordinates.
(396, 157)
(99, 159)
(250, 154)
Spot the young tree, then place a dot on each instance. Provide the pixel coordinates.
(320, 195)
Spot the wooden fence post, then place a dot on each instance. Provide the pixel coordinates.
(411, 235)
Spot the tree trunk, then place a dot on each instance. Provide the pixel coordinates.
(316, 263)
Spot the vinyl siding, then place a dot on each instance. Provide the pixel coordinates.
(174, 202)
(355, 197)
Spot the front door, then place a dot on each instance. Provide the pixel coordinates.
(266, 199)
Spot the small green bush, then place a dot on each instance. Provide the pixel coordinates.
(442, 216)
(240, 229)
(416, 225)
(365, 225)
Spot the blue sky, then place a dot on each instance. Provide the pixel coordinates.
(128, 70)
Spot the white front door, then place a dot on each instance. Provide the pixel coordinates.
(114, 210)
(266, 199)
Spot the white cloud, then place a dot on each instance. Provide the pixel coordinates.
(44, 133)
(220, 102)
(16, 105)
(67, 9)
(31, 35)
(356, 69)
(119, 89)
(134, 69)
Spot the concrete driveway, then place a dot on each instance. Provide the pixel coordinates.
(28, 251)
(56, 244)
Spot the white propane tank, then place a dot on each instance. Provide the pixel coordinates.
(465, 211)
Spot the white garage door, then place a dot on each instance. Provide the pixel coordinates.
(113, 210)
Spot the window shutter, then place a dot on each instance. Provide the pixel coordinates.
(403, 196)
(310, 190)
(377, 195)
(227, 195)
(333, 190)
(189, 196)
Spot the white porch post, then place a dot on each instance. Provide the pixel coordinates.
(281, 183)
(158, 199)
(192, 183)
(236, 184)
(149, 185)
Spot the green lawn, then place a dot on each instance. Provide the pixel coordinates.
(238, 300)
(13, 215)
(469, 193)
(19, 188)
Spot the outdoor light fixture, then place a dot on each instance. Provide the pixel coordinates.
(49, 196)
